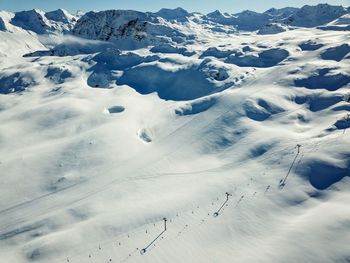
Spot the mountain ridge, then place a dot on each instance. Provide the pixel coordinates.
(60, 20)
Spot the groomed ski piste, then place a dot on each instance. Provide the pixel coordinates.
(233, 134)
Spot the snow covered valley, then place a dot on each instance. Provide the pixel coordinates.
(232, 127)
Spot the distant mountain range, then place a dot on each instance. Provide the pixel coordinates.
(134, 29)
(306, 16)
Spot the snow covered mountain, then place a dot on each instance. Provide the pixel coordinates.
(178, 14)
(282, 12)
(311, 16)
(233, 127)
(130, 29)
(40, 22)
(117, 24)
(340, 24)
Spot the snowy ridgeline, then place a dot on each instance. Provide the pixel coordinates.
(113, 120)
(114, 24)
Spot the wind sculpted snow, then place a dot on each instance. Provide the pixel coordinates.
(232, 127)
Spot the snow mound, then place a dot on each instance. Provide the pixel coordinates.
(215, 52)
(312, 16)
(72, 46)
(109, 62)
(170, 49)
(114, 59)
(272, 28)
(260, 110)
(343, 123)
(265, 59)
(318, 102)
(336, 53)
(310, 45)
(196, 106)
(260, 149)
(322, 173)
(58, 75)
(324, 79)
(15, 83)
(173, 82)
(100, 80)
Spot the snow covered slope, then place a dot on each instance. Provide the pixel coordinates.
(131, 117)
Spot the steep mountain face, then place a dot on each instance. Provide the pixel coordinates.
(31, 20)
(60, 15)
(113, 24)
(130, 29)
(311, 16)
(282, 12)
(178, 14)
(340, 24)
(42, 23)
(220, 18)
(343, 20)
(15, 40)
(251, 21)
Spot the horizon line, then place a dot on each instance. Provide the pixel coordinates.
(179, 7)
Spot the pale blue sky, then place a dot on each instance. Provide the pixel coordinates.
(203, 6)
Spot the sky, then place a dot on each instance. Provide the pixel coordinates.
(203, 6)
